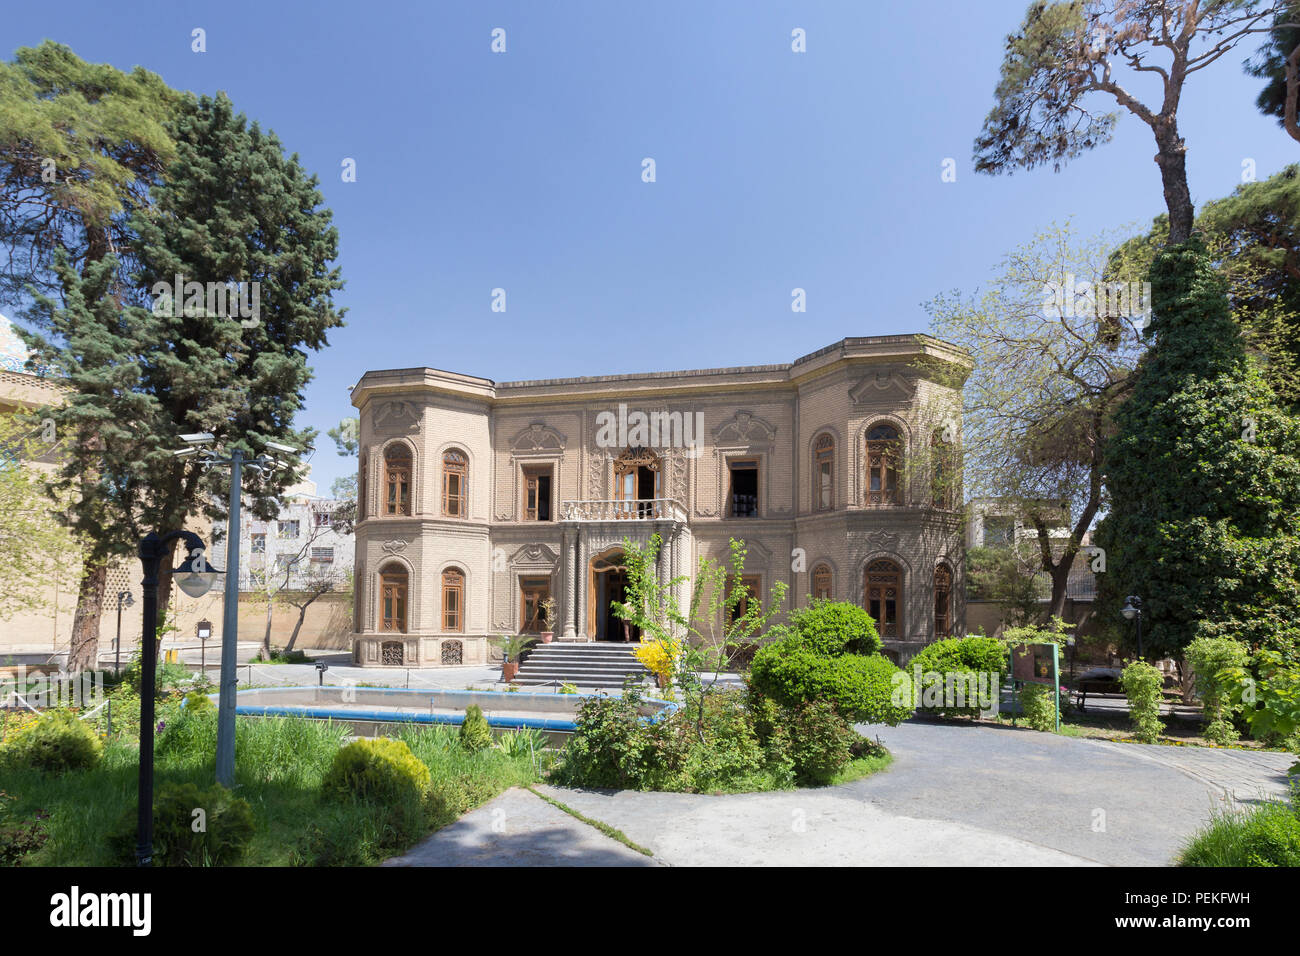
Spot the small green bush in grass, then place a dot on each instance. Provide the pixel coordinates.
(1209, 656)
(820, 742)
(56, 743)
(192, 826)
(197, 700)
(475, 731)
(1039, 706)
(1268, 835)
(1142, 684)
(378, 769)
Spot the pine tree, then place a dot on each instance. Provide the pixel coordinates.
(147, 366)
(1204, 478)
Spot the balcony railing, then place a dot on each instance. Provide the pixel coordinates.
(641, 509)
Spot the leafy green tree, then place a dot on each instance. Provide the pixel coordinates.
(344, 488)
(1068, 53)
(146, 367)
(1204, 475)
(1053, 340)
(1253, 237)
(80, 146)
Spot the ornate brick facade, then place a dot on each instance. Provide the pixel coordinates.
(479, 499)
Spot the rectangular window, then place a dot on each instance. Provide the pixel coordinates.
(744, 488)
(322, 555)
(533, 593)
(323, 519)
(287, 529)
(453, 594)
(259, 544)
(537, 494)
(752, 587)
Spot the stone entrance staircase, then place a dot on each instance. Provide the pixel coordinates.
(596, 664)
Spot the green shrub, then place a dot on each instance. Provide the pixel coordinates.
(730, 757)
(1268, 835)
(862, 689)
(820, 742)
(191, 827)
(1209, 656)
(58, 742)
(475, 731)
(196, 701)
(1038, 704)
(960, 661)
(1142, 684)
(613, 747)
(836, 627)
(376, 769)
(19, 838)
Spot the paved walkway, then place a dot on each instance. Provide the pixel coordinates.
(955, 795)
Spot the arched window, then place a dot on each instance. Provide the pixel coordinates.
(637, 482)
(943, 480)
(453, 600)
(361, 486)
(397, 480)
(393, 589)
(455, 484)
(942, 601)
(821, 583)
(884, 457)
(824, 473)
(883, 588)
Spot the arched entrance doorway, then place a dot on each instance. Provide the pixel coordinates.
(606, 584)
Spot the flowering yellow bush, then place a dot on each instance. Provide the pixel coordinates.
(658, 657)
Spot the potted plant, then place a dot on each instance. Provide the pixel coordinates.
(548, 616)
(512, 647)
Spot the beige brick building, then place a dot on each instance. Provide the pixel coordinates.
(479, 500)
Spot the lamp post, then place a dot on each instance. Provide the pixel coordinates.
(1132, 611)
(229, 680)
(117, 644)
(195, 578)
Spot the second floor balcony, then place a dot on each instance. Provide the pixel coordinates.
(623, 509)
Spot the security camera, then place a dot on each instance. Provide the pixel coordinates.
(283, 449)
(185, 453)
(198, 438)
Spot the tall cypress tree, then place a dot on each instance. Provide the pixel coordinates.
(1203, 477)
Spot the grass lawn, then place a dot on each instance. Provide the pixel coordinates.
(279, 765)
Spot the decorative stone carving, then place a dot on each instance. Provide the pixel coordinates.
(534, 555)
(393, 546)
(453, 652)
(887, 384)
(538, 437)
(881, 539)
(744, 428)
(395, 413)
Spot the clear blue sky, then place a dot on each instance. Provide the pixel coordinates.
(523, 171)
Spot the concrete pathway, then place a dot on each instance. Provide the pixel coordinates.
(519, 828)
(956, 794)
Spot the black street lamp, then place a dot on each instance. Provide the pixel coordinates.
(195, 578)
(1132, 610)
(117, 645)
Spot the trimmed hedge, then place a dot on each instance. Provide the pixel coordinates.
(836, 627)
(376, 769)
(862, 689)
(960, 656)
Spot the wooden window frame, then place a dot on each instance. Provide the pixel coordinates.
(823, 454)
(539, 586)
(884, 461)
(532, 475)
(394, 618)
(753, 585)
(746, 463)
(453, 582)
(822, 574)
(399, 471)
(942, 613)
(455, 463)
(887, 573)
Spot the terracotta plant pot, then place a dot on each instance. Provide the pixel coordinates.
(547, 636)
(508, 670)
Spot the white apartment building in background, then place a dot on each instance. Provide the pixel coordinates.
(299, 547)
